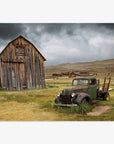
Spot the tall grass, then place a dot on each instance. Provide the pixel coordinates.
(81, 109)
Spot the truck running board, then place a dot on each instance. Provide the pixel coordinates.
(65, 105)
(95, 101)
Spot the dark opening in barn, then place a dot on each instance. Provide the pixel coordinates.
(21, 66)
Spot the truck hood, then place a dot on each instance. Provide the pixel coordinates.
(76, 87)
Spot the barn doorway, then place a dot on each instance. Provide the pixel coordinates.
(14, 76)
(18, 76)
(18, 79)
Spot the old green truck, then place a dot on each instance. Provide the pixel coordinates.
(84, 89)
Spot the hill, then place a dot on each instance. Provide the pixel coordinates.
(101, 66)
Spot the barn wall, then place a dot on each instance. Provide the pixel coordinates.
(20, 71)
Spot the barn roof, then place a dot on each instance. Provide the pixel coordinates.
(27, 41)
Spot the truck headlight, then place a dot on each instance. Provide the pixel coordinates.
(73, 94)
(58, 94)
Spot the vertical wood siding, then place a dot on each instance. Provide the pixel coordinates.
(21, 66)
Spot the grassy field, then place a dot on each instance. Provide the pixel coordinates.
(37, 105)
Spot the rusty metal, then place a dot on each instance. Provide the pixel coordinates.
(81, 74)
(66, 99)
(65, 105)
(89, 93)
(98, 85)
(81, 96)
(57, 74)
(94, 101)
(106, 84)
(76, 87)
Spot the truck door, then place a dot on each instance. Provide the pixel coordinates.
(92, 88)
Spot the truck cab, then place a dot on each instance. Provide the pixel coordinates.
(88, 85)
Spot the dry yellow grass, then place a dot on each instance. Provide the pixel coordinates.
(35, 105)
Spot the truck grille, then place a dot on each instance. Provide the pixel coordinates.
(66, 99)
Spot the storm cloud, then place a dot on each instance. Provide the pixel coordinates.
(9, 31)
(64, 42)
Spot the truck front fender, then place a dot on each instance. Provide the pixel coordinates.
(82, 96)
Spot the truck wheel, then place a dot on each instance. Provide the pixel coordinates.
(106, 97)
(83, 98)
(57, 100)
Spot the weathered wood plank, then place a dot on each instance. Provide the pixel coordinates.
(36, 71)
(3, 75)
(5, 83)
(25, 68)
(13, 77)
(9, 77)
(43, 75)
(32, 70)
(18, 78)
(1, 70)
(39, 73)
(34, 67)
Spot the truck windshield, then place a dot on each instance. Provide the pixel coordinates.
(80, 82)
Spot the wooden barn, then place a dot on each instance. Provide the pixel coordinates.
(21, 66)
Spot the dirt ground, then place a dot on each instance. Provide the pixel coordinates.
(98, 110)
(3, 98)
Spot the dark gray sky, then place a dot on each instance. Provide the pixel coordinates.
(64, 43)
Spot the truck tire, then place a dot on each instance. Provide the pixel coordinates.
(106, 96)
(83, 97)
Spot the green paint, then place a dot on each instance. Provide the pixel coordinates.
(83, 85)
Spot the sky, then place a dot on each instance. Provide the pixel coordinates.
(64, 42)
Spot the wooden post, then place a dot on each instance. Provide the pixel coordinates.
(109, 83)
(104, 84)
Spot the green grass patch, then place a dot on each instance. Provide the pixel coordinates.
(81, 109)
